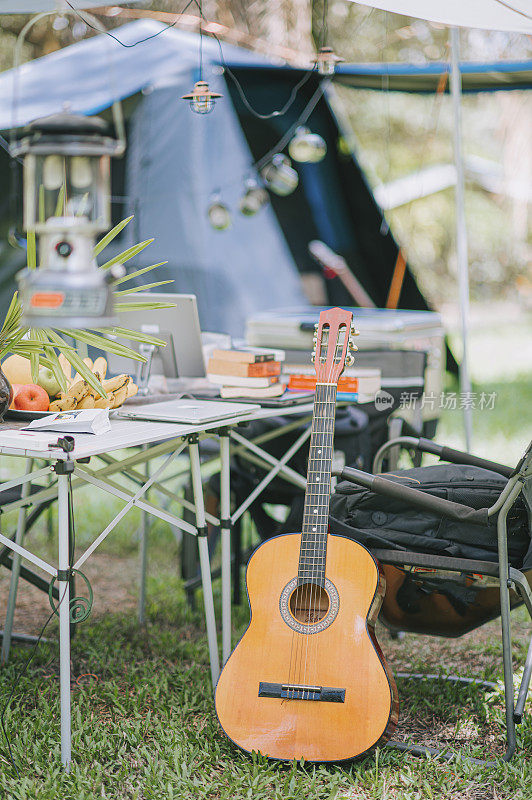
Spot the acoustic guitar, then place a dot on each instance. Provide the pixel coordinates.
(307, 679)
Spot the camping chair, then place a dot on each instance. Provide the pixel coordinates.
(513, 584)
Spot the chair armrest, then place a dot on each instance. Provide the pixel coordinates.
(459, 457)
(437, 505)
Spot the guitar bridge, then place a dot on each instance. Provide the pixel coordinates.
(298, 691)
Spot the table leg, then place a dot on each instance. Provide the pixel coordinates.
(15, 570)
(225, 528)
(144, 531)
(64, 623)
(205, 564)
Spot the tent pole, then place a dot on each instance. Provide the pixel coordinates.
(461, 233)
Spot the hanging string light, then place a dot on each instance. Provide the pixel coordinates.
(307, 147)
(254, 198)
(202, 100)
(218, 213)
(326, 61)
(279, 175)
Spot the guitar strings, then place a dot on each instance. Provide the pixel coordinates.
(339, 353)
(302, 638)
(316, 536)
(322, 439)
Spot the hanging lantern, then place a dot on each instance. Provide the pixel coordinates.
(219, 214)
(254, 198)
(67, 190)
(201, 99)
(279, 175)
(307, 147)
(326, 61)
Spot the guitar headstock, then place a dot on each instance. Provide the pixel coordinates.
(333, 344)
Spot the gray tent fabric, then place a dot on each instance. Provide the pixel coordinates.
(175, 160)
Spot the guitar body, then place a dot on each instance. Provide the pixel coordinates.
(349, 704)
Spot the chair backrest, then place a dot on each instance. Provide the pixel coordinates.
(524, 470)
(524, 467)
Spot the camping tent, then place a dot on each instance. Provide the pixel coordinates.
(175, 160)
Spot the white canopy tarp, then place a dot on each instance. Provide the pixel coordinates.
(495, 15)
(36, 6)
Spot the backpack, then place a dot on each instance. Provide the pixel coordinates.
(377, 521)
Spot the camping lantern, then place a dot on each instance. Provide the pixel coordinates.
(219, 214)
(307, 147)
(326, 61)
(67, 203)
(254, 198)
(201, 99)
(279, 175)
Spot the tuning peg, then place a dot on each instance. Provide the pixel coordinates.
(349, 360)
(316, 326)
(354, 331)
(313, 357)
(352, 347)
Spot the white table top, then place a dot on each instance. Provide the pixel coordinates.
(133, 433)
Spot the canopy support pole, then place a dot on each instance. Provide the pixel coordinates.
(461, 234)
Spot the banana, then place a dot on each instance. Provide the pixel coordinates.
(120, 395)
(132, 389)
(64, 404)
(87, 402)
(88, 363)
(65, 366)
(79, 390)
(100, 366)
(102, 402)
(112, 384)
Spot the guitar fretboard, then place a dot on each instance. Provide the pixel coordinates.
(313, 551)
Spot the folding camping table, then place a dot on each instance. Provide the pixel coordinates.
(150, 440)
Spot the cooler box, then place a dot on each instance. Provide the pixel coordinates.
(386, 337)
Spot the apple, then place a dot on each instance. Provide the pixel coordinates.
(31, 397)
(15, 387)
(48, 381)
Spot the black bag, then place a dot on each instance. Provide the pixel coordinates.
(377, 521)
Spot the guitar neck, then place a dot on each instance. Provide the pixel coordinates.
(313, 552)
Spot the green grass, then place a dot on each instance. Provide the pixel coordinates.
(144, 726)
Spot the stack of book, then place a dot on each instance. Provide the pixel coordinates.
(246, 373)
(354, 384)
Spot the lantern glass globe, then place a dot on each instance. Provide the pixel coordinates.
(307, 147)
(219, 215)
(280, 176)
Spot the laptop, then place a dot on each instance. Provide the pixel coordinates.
(179, 327)
(193, 412)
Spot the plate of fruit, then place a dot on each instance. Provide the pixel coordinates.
(34, 400)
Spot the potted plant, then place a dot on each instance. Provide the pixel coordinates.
(43, 347)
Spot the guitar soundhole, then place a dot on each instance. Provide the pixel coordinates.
(309, 603)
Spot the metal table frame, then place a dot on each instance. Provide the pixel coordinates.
(157, 440)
